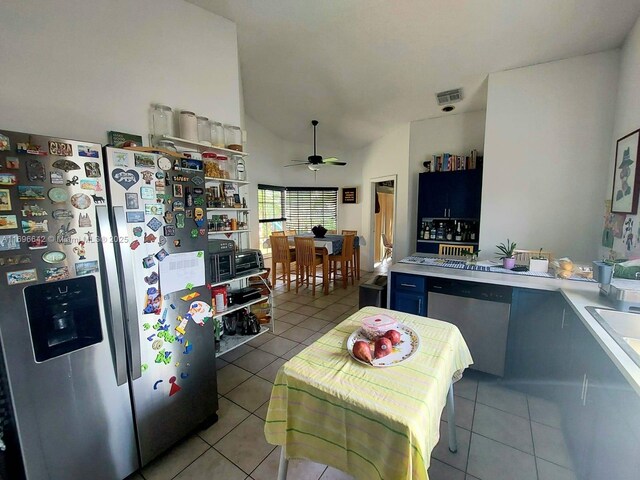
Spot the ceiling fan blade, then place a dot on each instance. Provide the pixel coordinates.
(333, 161)
(297, 164)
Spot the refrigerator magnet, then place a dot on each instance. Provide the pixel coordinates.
(160, 175)
(92, 169)
(150, 238)
(137, 231)
(175, 388)
(60, 148)
(31, 226)
(66, 165)
(85, 268)
(22, 276)
(155, 385)
(54, 256)
(29, 192)
(148, 261)
(131, 201)
(82, 201)
(178, 190)
(8, 179)
(169, 231)
(160, 184)
(5, 143)
(202, 231)
(80, 251)
(88, 184)
(61, 213)
(135, 217)
(135, 244)
(154, 209)
(194, 233)
(54, 274)
(13, 163)
(147, 176)
(37, 243)
(176, 243)
(30, 211)
(8, 222)
(73, 182)
(178, 206)
(26, 147)
(64, 234)
(179, 220)
(198, 180)
(88, 151)
(125, 178)
(164, 163)
(154, 224)
(56, 178)
(184, 375)
(168, 217)
(162, 241)
(35, 170)
(120, 159)
(15, 260)
(5, 200)
(147, 193)
(144, 160)
(188, 213)
(187, 348)
(161, 255)
(84, 220)
(151, 279)
(190, 296)
(153, 301)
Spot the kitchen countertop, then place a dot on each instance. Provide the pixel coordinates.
(577, 294)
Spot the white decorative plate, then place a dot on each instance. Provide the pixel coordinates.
(408, 346)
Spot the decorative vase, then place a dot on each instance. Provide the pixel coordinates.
(319, 231)
(509, 263)
(538, 265)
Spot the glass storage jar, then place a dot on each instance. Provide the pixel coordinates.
(211, 167)
(223, 162)
(241, 173)
(204, 130)
(188, 126)
(217, 134)
(233, 137)
(162, 118)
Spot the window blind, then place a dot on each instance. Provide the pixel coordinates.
(271, 205)
(310, 206)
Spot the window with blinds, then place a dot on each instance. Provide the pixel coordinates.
(271, 213)
(310, 206)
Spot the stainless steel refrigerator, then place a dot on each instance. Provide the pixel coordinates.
(101, 374)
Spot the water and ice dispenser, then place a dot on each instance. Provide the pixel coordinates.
(63, 316)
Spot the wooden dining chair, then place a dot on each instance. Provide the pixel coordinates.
(448, 249)
(345, 257)
(388, 247)
(355, 252)
(523, 256)
(307, 262)
(290, 233)
(349, 232)
(332, 232)
(278, 233)
(281, 253)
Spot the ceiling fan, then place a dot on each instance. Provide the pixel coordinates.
(314, 161)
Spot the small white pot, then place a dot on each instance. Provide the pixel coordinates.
(536, 265)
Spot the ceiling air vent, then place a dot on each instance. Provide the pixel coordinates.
(450, 96)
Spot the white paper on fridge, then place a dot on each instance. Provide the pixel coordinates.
(180, 271)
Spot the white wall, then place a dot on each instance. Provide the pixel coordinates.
(386, 156)
(627, 119)
(547, 155)
(265, 164)
(78, 68)
(455, 134)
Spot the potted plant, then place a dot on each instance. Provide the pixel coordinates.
(505, 251)
(539, 263)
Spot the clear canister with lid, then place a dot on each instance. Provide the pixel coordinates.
(241, 173)
(225, 167)
(217, 134)
(162, 120)
(233, 137)
(188, 126)
(211, 168)
(204, 130)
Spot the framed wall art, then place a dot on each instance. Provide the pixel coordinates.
(626, 176)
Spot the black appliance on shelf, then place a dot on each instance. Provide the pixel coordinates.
(248, 261)
(222, 259)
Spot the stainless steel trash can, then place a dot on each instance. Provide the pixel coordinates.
(374, 292)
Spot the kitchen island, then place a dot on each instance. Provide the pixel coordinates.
(537, 333)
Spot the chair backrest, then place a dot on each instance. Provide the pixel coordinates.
(332, 232)
(447, 249)
(385, 241)
(290, 232)
(305, 251)
(349, 232)
(523, 256)
(280, 248)
(347, 246)
(279, 233)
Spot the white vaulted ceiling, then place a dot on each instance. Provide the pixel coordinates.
(362, 66)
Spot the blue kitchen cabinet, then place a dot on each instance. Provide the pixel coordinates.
(409, 293)
(450, 194)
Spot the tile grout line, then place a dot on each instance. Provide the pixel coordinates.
(533, 443)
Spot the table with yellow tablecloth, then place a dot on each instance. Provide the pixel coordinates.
(372, 423)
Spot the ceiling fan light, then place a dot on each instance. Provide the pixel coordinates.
(313, 168)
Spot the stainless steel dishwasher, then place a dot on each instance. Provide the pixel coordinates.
(481, 312)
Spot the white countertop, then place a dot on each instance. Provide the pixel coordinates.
(578, 294)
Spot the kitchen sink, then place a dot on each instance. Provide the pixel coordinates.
(624, 328)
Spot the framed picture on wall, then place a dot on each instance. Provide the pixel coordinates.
(626, 176)
(350, 195)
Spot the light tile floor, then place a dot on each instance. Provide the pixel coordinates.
(502, 434)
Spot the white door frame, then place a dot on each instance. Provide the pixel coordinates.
(372, 213)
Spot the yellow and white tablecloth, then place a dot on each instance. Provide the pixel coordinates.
(373, 423)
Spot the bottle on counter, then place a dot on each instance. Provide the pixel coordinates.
(472, 233)
(449, 232)
(440, 231)
(458, 236)
(433, 231)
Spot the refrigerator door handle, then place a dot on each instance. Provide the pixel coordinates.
(129, 297)
(115, 305)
